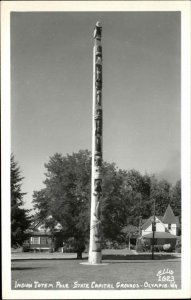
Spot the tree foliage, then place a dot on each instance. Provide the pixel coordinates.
(66, 195)
(176, 198)
(161, 193)
(20, 219)
(127, 195)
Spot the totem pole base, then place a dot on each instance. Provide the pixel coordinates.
(95, 258)
(86, 263)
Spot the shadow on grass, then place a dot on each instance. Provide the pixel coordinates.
(137, 257)
(44, 258)
(134, 262)
(27, 268)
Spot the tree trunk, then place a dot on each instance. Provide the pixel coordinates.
(129, 241)
(79, 255)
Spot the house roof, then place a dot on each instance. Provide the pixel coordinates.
(40, 233)
(39, 222)
(169, 217)
(149, 221)
(160, 235)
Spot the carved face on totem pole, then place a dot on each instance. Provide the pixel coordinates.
(98, 144)
(98, 84)
(97, 210)
(98, 60)
(97, 186)
(98, 163)
(98, 127)
(97, 31)
(98, 160)
(97, 238)
(98, 170)
(98, 50)
(98, 113)
(98, 73)
(98, 97)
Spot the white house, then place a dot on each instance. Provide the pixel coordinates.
(168, 223)
(166, 230)
(147, 226)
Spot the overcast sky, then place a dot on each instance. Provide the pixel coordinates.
(51, 90)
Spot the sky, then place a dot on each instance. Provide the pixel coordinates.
(51, 90)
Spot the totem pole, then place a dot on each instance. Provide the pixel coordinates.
(96, 185)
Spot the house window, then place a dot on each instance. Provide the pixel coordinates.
(35, 240)
(44, 240)
(49, 241)
(169, 226)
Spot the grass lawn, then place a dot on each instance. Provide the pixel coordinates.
(141, 273)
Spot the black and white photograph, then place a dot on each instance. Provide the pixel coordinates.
(95, 149)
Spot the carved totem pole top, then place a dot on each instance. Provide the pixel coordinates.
(97, 31)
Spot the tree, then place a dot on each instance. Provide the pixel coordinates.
(137, 198)
(113, 217)
(161, 193)
(127, 197)
(176, 198)
(66, 195)
(176, 201)
(20, 219)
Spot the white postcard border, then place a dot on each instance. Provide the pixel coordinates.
(184, 7)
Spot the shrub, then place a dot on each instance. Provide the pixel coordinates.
(72, 245)
(115, 245)
(25, 248)
(122, 246)
(178, 247)
(51, 250)
(139, 248)
(142, 245)
(158, 248)
(132, 247)
(68, 245)
(139, 245)
(167, 247)
(106, 244)
(79, 246)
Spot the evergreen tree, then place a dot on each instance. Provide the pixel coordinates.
(20, 220)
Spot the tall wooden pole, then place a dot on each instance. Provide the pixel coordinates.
(153, 229)
(96, 184)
